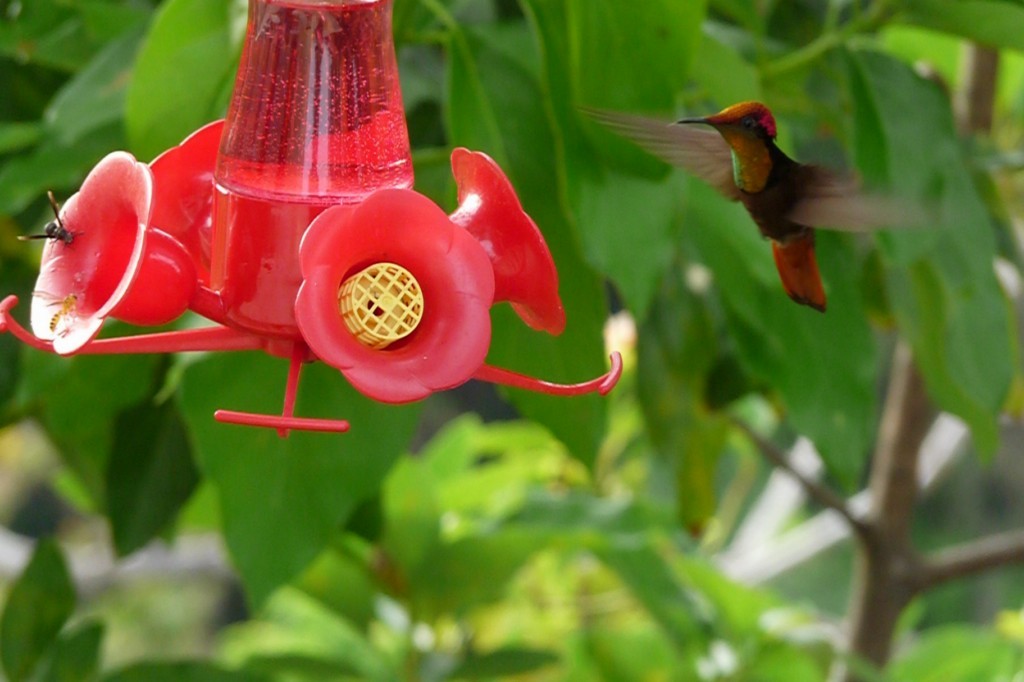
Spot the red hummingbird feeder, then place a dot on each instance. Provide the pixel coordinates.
(293, 227)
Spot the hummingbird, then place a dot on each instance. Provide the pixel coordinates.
(787, 200)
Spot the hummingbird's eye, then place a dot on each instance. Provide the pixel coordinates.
(748, 122)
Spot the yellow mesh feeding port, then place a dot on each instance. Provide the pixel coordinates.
(381, 304)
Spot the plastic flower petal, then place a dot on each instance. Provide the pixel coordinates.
(184, 192)
(80, 282)
(404, 228)
(524, 272)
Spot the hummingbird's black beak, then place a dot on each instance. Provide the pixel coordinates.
(693, 120)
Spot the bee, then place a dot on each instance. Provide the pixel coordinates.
(55, 228)
(67, 308)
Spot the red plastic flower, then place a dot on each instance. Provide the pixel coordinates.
(405, 228)
(114, 264)
(80, 282)
(524, 272)
(184, 191)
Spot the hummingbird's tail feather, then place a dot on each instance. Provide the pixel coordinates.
(798, 269)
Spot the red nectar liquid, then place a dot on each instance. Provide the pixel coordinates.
(316, 120)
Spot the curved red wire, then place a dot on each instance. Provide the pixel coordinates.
(281, 423)
(9, 324)
(180, 341)
(505, 377)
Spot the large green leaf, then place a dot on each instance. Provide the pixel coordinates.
(995, 23)
(54, 166)
(625, 535)
(589, 520)
(150, 476)
(64, 35)
(660, 37)
(95, 96)
(187, 61)
(17, 136)
(475, 472)
(822, 365)
(80, 399)
(76, 654)
(722, 72)
(941, 281)
(655, 584)
(677, 347)
(503, 662)
(283, 500)
(181, 671)
(494, 105)
(957, 652)
(470, 571)
(625, 222)
(298, 637)
(40, 602)
(17, 276)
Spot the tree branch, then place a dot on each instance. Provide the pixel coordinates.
(886, 561)
(972, 558)
(975, 102)
(817, 491)
(905, 422)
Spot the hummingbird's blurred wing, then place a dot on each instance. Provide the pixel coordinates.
(836, 201)
(704, 153)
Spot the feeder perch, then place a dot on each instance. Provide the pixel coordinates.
(292, 226)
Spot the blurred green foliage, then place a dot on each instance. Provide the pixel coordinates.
(561, 545)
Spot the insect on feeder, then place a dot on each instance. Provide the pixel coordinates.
(293, 227)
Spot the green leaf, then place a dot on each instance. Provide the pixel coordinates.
(76, 655)
(49, 33)
(183, 671)
(625, 223)
(17, 276)
(80, 399)
(656, 586)
(283, 500)
(735, 608)
(296, 634)
(660, 37)
(722, 72)
(494, 106)
(941, 282)
(299, 666)
(40, 602)
(589, 520)
(957, 652)
(186, 62)
(503, 662)
(150, 476)
(822, 365)
(623, 534)
(53, 166)
(468, 471)
(470, 571)
(15, 137)
(676, 348)
(785, 664)
(624, 652)
(95, 96)
(995, 23)
(627, 229)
